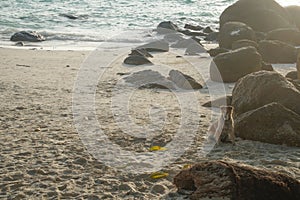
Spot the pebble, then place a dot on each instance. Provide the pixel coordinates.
(158, 189)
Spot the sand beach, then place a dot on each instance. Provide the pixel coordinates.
(43, 156)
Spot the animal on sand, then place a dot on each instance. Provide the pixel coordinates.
(222, 130)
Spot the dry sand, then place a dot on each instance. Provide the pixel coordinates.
(43, 156)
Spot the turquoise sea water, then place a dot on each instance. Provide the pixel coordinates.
(99, 20)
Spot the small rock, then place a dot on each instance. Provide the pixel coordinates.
(158, 189)
(140, 52)
(156, 46)
(193, 27)
(184, 43)
(20, 44)
(216, 51)
(207, 30)
(193, 33)
(212, 36)
(195, 49)
(183, 81)
(292, 75)
(173, 37)
(80, 161)
(166, 27)
(136, 60)
(149, 79)
(266, 66)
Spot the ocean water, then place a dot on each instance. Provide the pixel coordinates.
(100, 20)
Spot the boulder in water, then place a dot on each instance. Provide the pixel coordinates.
(166, 27)
(30, 36)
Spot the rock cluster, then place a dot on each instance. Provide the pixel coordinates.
(265, 25)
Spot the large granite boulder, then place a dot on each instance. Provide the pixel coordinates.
(260, 88)
(183, 81)
(261, 15)
(274, 51)
(294, 12)
(227, 180)
(272, 123)
(231, 66)
(290, 36)
(233, 31)
(29, 36)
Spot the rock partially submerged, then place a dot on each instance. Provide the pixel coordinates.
(260, 88)
(221, 179)
(30, 36)
(231, 66)
(167, 27)
(272, 123)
